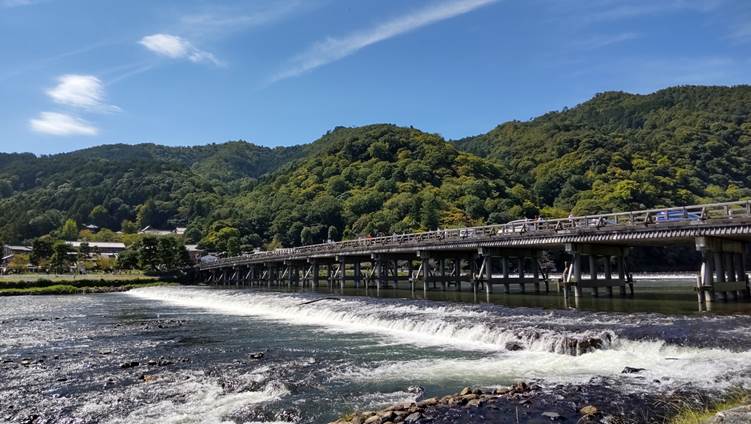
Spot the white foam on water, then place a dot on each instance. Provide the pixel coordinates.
(670, 365)
(467, 328)
(198, 399)
(459, 327)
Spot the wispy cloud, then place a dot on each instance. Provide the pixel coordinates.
(221, 20)
(18, 3)
(175, 47)
(333, 49)
(81, 91)
(597, 11)
(604, 40)
(55, 123)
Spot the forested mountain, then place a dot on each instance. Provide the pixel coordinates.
(622, 151)
(146, 184)
(617, 151)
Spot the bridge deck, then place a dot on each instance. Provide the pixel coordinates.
(667, 226)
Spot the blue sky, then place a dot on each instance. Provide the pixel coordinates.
(281, 72)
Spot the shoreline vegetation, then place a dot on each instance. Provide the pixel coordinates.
(76, 284)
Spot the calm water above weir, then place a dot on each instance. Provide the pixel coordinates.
(186, 354)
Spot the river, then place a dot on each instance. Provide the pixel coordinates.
(193, 354)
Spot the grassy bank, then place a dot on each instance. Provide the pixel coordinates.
(67, 278)
(76, 284)
(700, 415)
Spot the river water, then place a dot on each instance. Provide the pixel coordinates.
(191, 354)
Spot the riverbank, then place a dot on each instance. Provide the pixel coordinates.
(60, 285)
(523, 402)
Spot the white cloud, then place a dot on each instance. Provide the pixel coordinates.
(221, 19)
(61, 124)
(598, 11)
(333, 49)
(176, 47)
(81, 91)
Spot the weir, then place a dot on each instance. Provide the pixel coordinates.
(508, 256)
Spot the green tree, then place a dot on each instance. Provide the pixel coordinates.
(306, 236)
(69, 230)
(41, 249)
(147, 214)
(128, 259)
(129, 227)
(148, 254)
(84, 249)
(100, 216)
(333, 233)
(429, 212)
(60, 259)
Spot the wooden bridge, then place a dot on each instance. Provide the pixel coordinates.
(508, 255)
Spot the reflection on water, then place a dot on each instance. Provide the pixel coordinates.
(665, 296)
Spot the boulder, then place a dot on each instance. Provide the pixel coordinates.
(375, 419)
(428, 402)
(589, 410)
(632, 370)
(514, 346)
(149, 378)
(552, 416)
(413, 417)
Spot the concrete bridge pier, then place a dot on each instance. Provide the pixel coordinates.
(594, 256)
(723, 269)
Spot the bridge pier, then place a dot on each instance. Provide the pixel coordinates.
(723, 269)
(526, 260)
(593, 254)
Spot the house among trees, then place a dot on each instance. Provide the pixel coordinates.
(91, 227)
(98, 248)
(11, 254)
(149, 230)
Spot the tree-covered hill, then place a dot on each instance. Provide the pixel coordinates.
(622, 151)
(145, 184)
(378, 179)
(617, 151)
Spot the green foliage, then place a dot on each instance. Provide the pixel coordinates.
(622, 151)
(59, 259)
(617, 151)
(378, 179)
(41, 249)
(69, 230)
(129, 227)
(155, 254)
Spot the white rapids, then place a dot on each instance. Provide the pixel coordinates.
(501, 346)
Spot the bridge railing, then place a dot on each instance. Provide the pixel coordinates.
(695, 214)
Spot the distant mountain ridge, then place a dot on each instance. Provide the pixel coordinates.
(617, 151)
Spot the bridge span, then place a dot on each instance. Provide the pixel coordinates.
(508, 255)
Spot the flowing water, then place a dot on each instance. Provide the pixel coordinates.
(191, 354)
